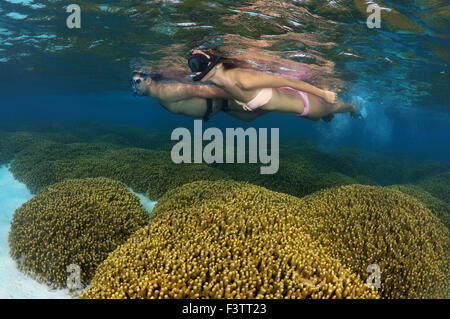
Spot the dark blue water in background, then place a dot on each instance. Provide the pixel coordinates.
(77, 84)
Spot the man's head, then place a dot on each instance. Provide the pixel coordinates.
(141, 81)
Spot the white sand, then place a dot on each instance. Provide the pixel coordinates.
(145, 202)
(14, 284)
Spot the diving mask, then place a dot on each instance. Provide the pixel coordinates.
(201, 63)
(139, 77)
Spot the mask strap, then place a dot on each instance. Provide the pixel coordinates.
(213, 62)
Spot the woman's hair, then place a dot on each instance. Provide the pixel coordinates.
(227, 62)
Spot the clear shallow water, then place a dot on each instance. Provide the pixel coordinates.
(398, 75)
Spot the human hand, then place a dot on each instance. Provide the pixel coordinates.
(330, 97)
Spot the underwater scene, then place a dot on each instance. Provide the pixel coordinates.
(189, 149)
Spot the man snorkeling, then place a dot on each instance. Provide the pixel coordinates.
(194, 100)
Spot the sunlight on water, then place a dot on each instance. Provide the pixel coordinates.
(326, 43)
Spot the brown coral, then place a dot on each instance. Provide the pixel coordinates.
(438, 186)
(46, 163)
(438, 207)
(12, 143)
(240, 242)
(362, 225)
(296, 176)
(358, 225)
(73, 222)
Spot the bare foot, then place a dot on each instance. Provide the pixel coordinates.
(330, 97)
(355, 113)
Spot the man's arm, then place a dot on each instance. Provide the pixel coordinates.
(178, 92)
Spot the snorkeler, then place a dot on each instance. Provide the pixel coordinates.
(199, 101)
(256, 90)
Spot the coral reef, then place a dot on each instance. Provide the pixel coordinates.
(6, 153)
(46, 163)
(154, 172)
(438, 186)
(118, 135)
(363, 225)
(357, 225)
(73, 222)
(364, 166)
(224, 240)
(438, 207)
(51, 154)
(218, 238)
(296, 176)
(12, 143)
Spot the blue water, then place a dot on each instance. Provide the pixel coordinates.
(399, 78)
(420, 132)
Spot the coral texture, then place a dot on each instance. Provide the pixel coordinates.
(224, 240)
(73, 222)
(438, 186)
(296, 176)
(438, 207)
(363, 225)
(46, 163)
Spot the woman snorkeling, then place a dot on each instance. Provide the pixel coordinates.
(256, 90)
(200, 101)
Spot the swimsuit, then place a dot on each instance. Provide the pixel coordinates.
(264, 96)
(209, 108)
(304, 97)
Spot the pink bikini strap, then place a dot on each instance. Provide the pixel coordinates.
(305, 102)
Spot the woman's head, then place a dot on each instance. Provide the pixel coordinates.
(225, 61)
(203, 61)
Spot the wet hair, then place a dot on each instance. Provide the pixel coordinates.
(227, 62)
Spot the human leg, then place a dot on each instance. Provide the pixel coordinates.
(319, 108)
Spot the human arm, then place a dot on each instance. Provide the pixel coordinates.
(254, 80)
(182, 91)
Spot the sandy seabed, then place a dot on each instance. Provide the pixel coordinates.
(13, 283)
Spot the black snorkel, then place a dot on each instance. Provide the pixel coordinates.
(143, 76)
(201, 63)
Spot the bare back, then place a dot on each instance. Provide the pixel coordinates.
(282, 100)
